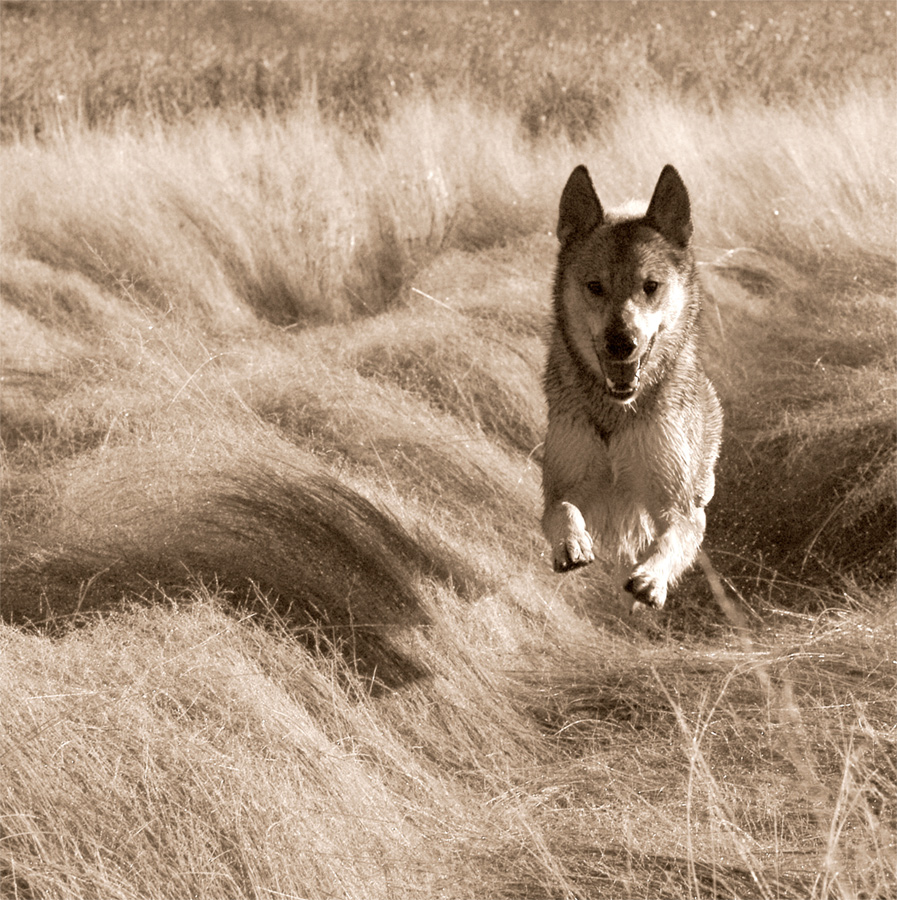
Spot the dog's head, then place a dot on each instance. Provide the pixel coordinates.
(623, 280)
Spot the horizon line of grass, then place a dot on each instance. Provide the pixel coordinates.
(63, 64)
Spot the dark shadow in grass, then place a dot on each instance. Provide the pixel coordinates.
(582, 710)
(806, 477)
(14, 884)
(326, 561)
(815, 501)
(668, 877)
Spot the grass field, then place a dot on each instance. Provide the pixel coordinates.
(277, 618)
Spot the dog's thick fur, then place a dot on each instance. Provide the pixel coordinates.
(634, 425)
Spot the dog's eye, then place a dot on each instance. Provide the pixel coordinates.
(596, 288)
(649, 287)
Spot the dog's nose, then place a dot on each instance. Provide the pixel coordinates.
(619, 344)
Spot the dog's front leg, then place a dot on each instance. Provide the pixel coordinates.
(572, 471)
(570, 541)
(673, 550)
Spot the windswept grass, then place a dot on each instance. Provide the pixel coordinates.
(276, 617)
(291, 221)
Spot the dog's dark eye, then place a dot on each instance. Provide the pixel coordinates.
(649, 287)
(596, 288)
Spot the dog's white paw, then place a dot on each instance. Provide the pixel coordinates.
(647, 589)
(574, 551)
(570, 540)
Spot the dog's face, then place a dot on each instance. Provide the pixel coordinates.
(622, 281)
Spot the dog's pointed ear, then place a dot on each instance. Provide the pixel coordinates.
(669, 211)
(580, 210)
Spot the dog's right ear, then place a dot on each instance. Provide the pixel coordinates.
(669, 211)
(580, 207)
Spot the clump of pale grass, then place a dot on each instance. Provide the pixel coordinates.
(463, 370)
(291, 220)
(325, 555)
(226, 761)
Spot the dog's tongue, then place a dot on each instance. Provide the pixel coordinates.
(621, 376)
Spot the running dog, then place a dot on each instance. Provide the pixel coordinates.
(634, 424)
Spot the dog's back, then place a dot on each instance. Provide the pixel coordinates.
(634, 424)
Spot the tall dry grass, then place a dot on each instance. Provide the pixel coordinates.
(276, 616)
(289, 220)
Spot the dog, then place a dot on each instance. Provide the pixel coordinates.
(634, 424)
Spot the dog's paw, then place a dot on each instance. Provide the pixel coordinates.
(647, 589)
(570, 540)
(574, 552)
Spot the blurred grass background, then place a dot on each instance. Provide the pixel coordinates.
(559, 68)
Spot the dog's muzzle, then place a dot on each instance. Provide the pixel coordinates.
(623, 377)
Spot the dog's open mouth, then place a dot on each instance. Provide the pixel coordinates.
(623, 379)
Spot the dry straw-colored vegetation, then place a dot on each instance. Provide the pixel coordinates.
(276, 618)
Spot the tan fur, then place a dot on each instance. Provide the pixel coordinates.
(634, 425)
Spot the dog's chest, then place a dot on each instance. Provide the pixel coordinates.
(638, 457)
(625, 486)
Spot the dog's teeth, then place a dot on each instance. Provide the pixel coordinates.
(622, 385)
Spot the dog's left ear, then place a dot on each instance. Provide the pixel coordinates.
(669, 211)
(580, 210)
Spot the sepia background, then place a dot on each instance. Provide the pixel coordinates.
(277, 618)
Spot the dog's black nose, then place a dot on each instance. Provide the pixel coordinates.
(619, 344)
